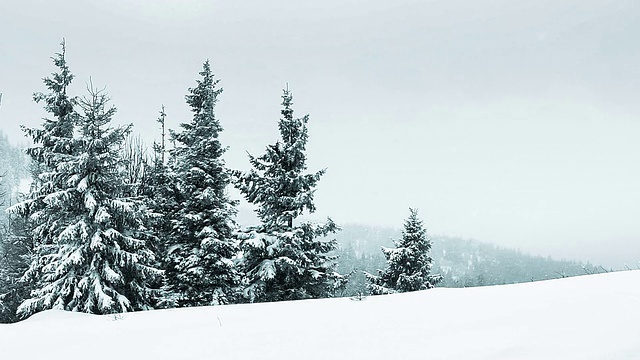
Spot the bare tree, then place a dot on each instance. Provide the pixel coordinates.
(136, 162)
(161, 148)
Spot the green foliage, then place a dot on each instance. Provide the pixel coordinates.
(408, 264)
(461, 262)
(290, 265)
(282, 260)
(84, 231)
(97, 261)
(200, 270)
(465, 263)
(52, 142)
(276, 182)
(16, 247)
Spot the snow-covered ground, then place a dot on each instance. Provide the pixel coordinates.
(588, 317)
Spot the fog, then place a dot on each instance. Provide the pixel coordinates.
(515, 123)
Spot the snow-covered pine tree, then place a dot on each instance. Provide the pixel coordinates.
(15, 245)
(52, 144)
(160, 194)
(16, 248)
(54, 137)
(53, 141)
(98, 265)
(408, 264)
(199, 264)
(160, 180)
(282, 260)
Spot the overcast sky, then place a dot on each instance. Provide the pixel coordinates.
(511, 122)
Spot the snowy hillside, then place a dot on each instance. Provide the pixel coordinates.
(587, 317)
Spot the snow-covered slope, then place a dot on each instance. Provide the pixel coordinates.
(588, 317)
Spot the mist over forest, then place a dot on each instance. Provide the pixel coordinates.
(460, 262)
(380, 179)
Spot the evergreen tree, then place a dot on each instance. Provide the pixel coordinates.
(15, 245)
(408, 265)
(160, 180)
(52, 144)
(97, 264)
(16, 248)
(160, 192)
(54, 137)
(200, 269)
(281, 260)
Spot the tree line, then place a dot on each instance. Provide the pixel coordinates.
(460, 262)
(105, 230)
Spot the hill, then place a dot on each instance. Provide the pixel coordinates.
(462, 262)
(586, 317)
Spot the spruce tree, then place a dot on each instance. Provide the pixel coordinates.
(160, 184)
(54, 137)
(16, 248)
(52, 143)
(160, 193)
(199, 263)
(408, 264)
(283, 260)
(15, 245)
(98, 264)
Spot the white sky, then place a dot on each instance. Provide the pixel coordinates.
(515, 123)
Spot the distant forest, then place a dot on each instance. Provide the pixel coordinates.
(461, 262)
(13, 169)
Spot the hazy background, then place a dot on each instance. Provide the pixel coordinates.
(515, 123)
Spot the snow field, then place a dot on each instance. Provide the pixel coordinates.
(587, 317)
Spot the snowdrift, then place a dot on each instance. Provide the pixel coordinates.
(588, 317)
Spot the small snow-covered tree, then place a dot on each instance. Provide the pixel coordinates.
(408, 264)
(199, 263)
(282, 260)
(97, 263)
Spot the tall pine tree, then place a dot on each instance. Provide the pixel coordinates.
(96, 263)
(52, 143)
(283, 260)
(409, 264)
(199, 264)
(160, 193)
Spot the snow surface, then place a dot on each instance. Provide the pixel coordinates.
(588, 317)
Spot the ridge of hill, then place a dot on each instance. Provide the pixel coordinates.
(461, 262)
